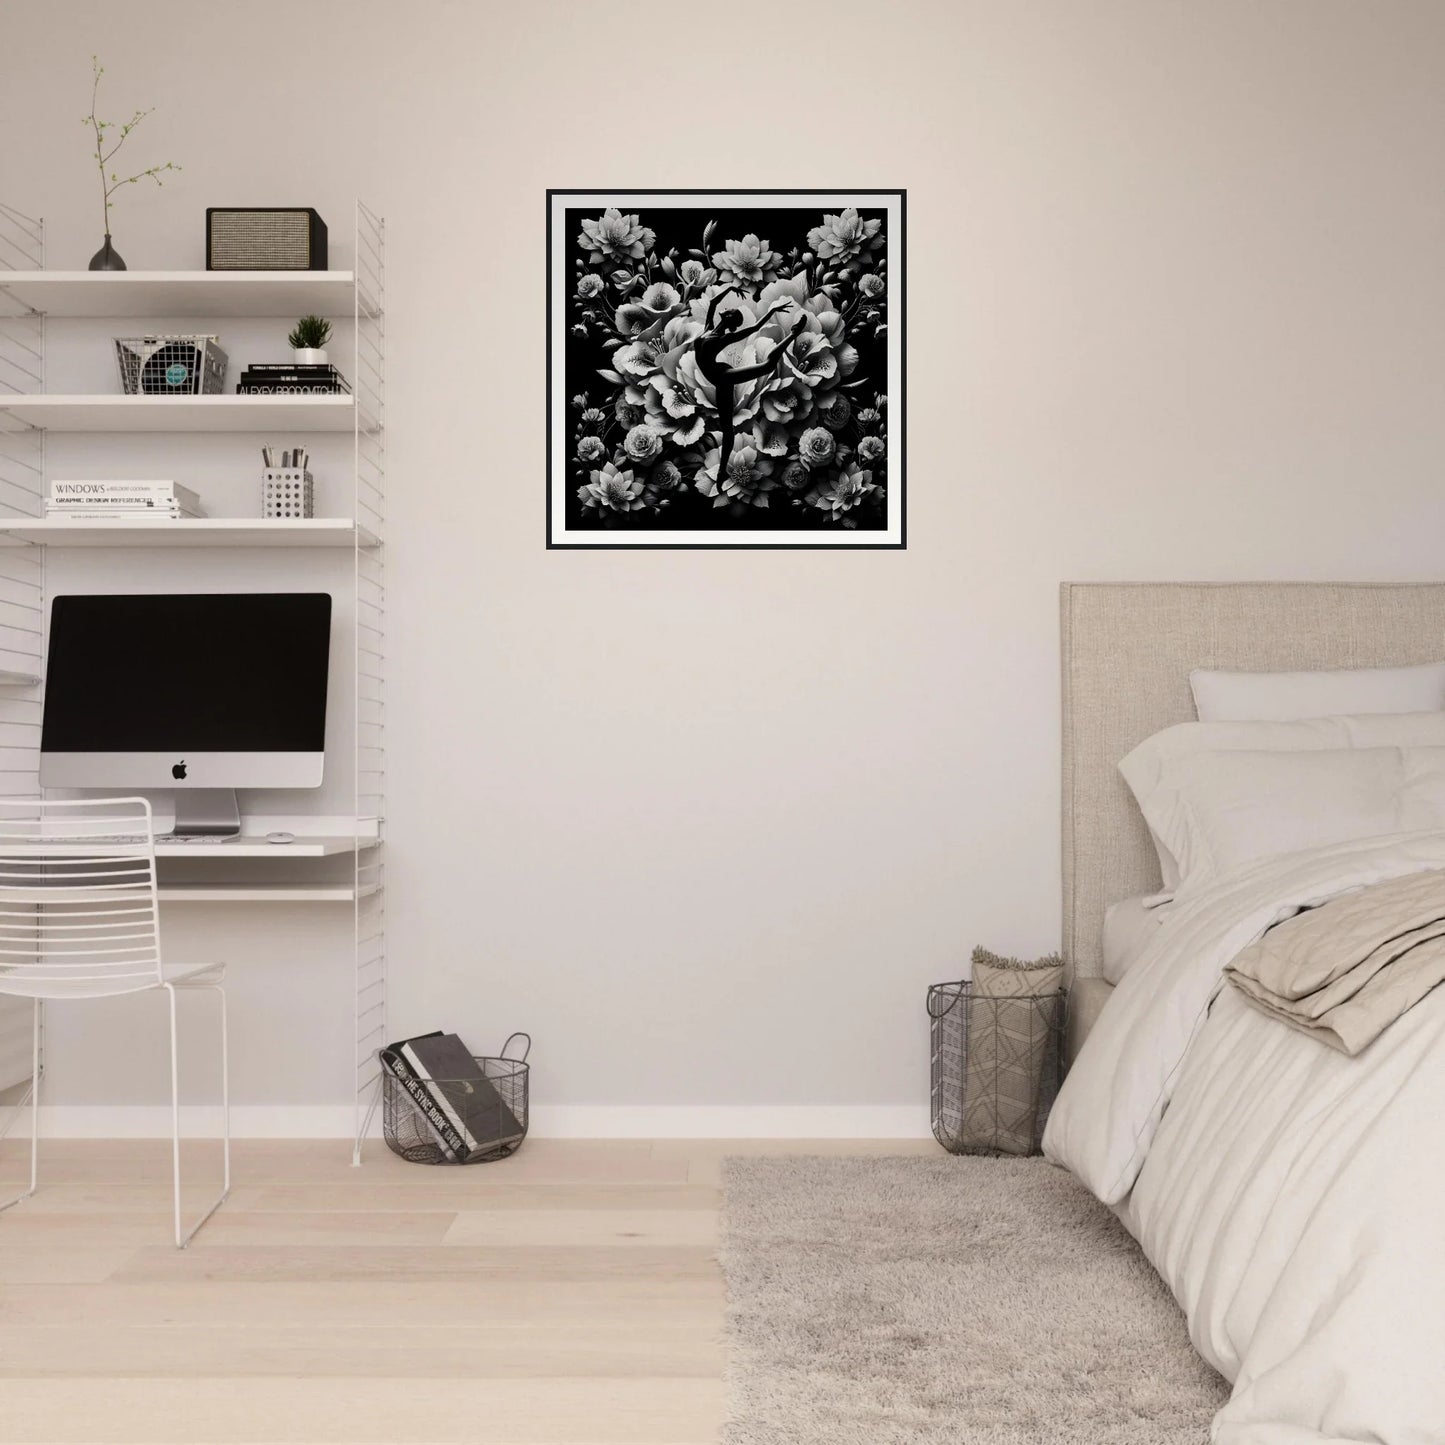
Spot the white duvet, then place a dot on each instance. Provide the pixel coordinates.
(1292, 1197)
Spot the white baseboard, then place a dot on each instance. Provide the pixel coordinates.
(153, 1121)
(549, 1121)
(731, 1121)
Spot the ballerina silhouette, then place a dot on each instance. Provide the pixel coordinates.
(721, 332)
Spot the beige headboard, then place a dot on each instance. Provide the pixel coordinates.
(1128, 648)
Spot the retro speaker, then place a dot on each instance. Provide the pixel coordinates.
(265, 238)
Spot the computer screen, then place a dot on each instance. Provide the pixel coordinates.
(221, 690)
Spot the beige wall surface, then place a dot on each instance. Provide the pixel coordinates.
(708, 822)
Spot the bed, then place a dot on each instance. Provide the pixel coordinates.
(1290, 1196)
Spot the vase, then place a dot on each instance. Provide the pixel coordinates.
(310, 355)
(107, 258)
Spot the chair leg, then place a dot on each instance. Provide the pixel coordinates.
(184, 1236)
(34, 1112)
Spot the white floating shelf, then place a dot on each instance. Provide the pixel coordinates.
(261, 892)
(286, 294)
(313, 846)
(183, 413)
(18, 679)
(187, 532)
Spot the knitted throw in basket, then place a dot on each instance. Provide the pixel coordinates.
(1007, 1051)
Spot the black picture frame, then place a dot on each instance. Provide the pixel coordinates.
(874, 524)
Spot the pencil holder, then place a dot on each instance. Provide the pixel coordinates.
(286, 492)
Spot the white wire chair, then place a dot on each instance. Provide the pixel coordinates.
(79, 918)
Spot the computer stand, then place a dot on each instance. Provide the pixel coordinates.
(206, 813)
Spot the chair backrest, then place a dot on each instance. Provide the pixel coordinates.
(78, 907)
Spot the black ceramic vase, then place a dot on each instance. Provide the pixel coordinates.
(107, 258)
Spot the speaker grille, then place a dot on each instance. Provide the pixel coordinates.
(260, 241)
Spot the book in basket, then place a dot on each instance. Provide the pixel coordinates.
(477, 1118)
(448, 1139)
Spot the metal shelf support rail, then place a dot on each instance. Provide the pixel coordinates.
(369, 386)
(22, 590)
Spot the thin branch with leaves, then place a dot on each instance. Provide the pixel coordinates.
(110, 182)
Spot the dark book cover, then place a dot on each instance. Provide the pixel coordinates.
(394, 1059)
(291, 388)
(468, 1097)
(296, 368)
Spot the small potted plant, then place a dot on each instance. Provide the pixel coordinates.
(308, 340)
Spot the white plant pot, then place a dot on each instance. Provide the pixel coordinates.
(310, 356)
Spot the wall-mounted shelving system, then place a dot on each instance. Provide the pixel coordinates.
(30, 296)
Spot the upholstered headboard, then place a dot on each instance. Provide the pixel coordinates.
(1128, 648)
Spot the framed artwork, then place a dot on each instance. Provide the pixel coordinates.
(725, 368)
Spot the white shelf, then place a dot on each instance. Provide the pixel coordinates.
(260, 892)
(287, 294)
(18, 679)
(227, 413)
(191, 532)
(316, 846)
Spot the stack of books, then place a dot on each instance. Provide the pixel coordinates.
(291, 379)
(460, 1105)
(90, 501)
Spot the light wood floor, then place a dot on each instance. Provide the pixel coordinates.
(566, 1296)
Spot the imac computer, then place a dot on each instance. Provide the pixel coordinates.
(198, 694)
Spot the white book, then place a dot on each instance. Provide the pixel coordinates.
(77, 493)
(93, 514)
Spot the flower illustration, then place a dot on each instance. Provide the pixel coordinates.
(872, 286)
(590, 285)
(816, 447)
(747, 478)
(796, 476)
(842, 238)
(590, 449)
(748, 261)
(869, 418)
(660, 299)
(615, 237)
(637, 360)
(694, 273)
(611, 490)
(591, 420)
(643, 444)
(837, 412)
(627, 414)
(840, 495)
(870, 449)
(579, 331)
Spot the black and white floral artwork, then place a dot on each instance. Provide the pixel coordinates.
(725, 368)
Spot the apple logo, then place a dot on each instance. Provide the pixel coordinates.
(179, 771)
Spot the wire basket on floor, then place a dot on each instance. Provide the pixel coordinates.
(409, 1133)
(997, 1066)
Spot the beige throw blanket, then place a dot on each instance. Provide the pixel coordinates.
(1344, 972)
(1010, 1031)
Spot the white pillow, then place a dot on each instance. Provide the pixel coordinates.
(1130, 926)
(1217, 812)
(1284, 696)
(1145, 767)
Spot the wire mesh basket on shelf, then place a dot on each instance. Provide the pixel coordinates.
(410, 1132)
(996, 1068)
(170, 365)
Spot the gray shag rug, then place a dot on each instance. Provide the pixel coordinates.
(947, 1301)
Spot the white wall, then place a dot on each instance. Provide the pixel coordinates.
(708, 822)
